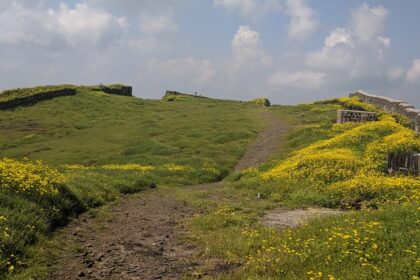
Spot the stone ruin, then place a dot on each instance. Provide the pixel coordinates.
(404, 163)
(35, 98)
(344, 116)
(392, 106)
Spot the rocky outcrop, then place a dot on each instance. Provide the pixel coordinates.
(392, 106)
(32, 99)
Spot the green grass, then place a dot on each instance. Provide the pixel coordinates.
(186, 141)
(93, 128)
(183, 140)
(364, 244)
(360, 245)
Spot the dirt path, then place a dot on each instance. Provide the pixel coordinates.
(267, 142)
(139, 241)
(142, 238)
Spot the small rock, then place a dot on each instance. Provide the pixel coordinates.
(99, 257)
(81, 274)
(90, 264)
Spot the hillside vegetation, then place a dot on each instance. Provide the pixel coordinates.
(68, 154)
(320, 164)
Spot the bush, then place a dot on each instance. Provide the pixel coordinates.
(262, 101)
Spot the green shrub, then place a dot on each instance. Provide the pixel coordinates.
(262, 101)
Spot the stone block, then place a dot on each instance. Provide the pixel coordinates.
(404, 163)
(344, 116)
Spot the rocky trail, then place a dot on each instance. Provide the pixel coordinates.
(141, 238)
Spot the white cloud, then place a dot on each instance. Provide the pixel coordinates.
(38, 25)
(246, 72)
(137, 6)
(357, 50)
(149, 44)
(302, 80)
(84, 24)
(386, 42)
(249, 8)
(413, 74)
(183, 72)
(247, 48)
(153, 24)
(330, 58)
(395, 73)
(338, 36)
(303, 22)
(368, 22)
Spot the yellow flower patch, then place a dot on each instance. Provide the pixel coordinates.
(379, 185)
(324, 166)
(25, 176)
(176, 167)
(353, 162)
(129, 166)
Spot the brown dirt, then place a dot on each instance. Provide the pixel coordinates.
(142, 238)
(282, 218)
(267, 142)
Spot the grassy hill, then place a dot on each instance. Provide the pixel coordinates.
(101, 145)
(95, 146)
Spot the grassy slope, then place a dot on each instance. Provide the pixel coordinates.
(367, 244)
(186, 141)
(96, 128)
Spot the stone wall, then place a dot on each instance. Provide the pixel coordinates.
(40, 96)
(404, 163)
(344, 116)
(118, 90)
(391, 105)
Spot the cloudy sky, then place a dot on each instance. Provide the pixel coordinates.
(290, 51)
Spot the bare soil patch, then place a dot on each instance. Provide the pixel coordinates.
(140, 240)
(283, 218)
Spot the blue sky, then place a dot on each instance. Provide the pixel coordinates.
(290, 51)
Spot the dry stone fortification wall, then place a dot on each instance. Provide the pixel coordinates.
(118, 90)
(29, 100)
(391, 105)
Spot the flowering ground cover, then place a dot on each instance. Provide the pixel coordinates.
(320, 164)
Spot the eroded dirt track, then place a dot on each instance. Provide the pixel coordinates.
(142, 238)
(266, 143)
